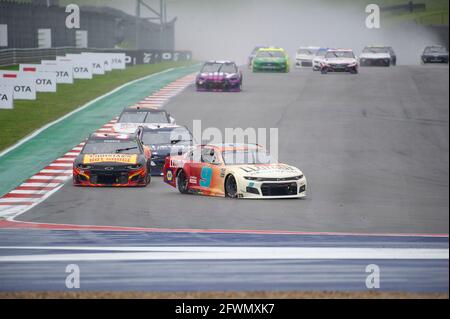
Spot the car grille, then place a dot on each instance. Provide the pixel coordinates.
(279, 189)
(109, 179)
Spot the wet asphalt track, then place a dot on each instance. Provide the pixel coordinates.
(373, 146)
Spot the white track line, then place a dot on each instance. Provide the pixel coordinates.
(226, 253)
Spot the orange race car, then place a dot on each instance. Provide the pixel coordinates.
(112, 160)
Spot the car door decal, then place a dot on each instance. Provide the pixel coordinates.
(206, 176)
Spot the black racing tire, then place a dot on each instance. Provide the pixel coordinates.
(182, 182)
(324, 71)
(148, 179)
(230, 187)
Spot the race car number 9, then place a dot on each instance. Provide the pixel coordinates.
(205, 177)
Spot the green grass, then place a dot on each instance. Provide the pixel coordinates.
(27, 116)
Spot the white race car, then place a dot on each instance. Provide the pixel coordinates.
(235, 171)
(318, 58)
(339, 60)
(134, 117)
(375, 56)
(304, 56)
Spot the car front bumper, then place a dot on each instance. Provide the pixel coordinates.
(218, 85)
(375, 62)
(118, 178)
(273, 190)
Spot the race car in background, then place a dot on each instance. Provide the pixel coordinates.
(304, 56)
(318, 58)
(234, 171)
(219, 76)
(253, 54)
(339, 60)
(112, 160)
(133, 117)
(271, 59)
(163, 142)
(435, 54)
(377, 56)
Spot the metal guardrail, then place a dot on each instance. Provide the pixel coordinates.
(408, 7)
(35, 55)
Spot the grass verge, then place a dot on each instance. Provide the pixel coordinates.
(27, 116)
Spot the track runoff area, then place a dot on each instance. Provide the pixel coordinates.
(373, 146)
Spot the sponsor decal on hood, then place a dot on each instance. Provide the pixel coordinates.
(274, 168)
(110, 158)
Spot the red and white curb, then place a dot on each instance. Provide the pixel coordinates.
(52, 177)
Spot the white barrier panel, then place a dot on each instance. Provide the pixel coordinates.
(101, 57)
(6, 97)
(45, 81)
(64, 72)
(98, 67)
(81, 69)
(118, 60)
(23, 84)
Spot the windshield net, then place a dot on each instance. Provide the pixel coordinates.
(111, 147)
(246, 157)
(166, 137)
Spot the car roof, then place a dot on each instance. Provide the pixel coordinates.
(220, 62)
(224, 147)
(111, 136)
(310, 48)
(164, 128)
(272, 49)
(137, 108)
(341, 50)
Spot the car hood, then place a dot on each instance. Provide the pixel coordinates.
(108, 159)
(216, 75)
(275, 60)
(436, 54)
(268, 171)
(304, 56)
(375, 56)
(340, 60)
(169, 149)
(130, 128)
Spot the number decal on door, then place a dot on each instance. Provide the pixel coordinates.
(206, 176)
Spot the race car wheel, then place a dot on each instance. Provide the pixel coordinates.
(182, 182)
(148, 179)
(230, 187)
(324, 71)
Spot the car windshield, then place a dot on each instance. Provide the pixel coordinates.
(246, 157)
(156, 117)
(339, 54)
(111, 147)
(321, 52)
(307, 51)
(143, 117)
(270, 54)
(166, 137)
(219, 67)
(436, 50)
(376, 50)
(132, 117)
